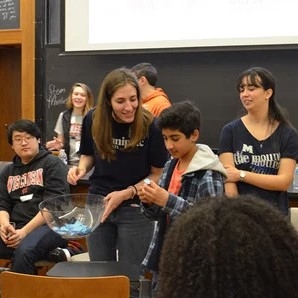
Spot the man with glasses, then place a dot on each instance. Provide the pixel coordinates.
(34, 174)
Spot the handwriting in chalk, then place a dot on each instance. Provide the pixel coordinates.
(56, 96)
(7, 10)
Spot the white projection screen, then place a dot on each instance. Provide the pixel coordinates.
(109, 25)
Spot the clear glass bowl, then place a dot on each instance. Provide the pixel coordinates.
(73, 215)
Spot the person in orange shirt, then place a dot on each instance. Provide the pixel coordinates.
(154, 99)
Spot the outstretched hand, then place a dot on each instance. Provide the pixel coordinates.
(74, 174)
(113, 200)
(55, 144)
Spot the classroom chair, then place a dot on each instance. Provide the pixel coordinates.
(17, 285)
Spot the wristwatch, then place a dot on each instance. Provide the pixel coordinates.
(242, 175)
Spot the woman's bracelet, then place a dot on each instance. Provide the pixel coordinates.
(134, 190)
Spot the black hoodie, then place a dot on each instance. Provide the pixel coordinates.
(24, 186)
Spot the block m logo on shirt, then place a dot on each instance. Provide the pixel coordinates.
(246, 148)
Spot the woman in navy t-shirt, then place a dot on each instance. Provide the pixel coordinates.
(260, 149)
(121, 141)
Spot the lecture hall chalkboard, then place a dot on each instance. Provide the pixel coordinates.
(9, 14)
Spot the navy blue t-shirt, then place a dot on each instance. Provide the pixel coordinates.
(129, 167)
(262, 157)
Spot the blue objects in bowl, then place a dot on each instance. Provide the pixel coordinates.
(73, 215)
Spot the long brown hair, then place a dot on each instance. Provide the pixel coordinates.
(89, 95)
(102, 117)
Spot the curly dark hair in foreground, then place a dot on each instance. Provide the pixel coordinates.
(222, 247)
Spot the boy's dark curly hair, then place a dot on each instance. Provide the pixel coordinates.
(222, 247)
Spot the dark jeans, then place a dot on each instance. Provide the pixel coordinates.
(34, 247)
(125, 230)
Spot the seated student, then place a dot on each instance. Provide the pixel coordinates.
(33, 175)
(69, 123)
(193, 172)
(154, 99)
(230, 248)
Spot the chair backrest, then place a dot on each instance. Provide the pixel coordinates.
(17, 285)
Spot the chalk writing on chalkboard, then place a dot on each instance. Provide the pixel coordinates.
(56, 96)
(9, 14)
